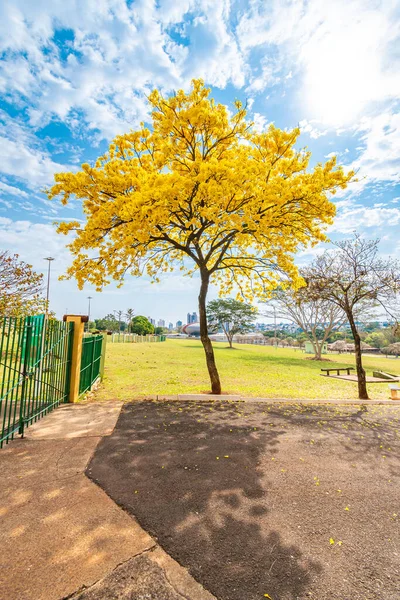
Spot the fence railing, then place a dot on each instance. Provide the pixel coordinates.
(133, 338)
(35, 357)
(43, 363)
(92, 351)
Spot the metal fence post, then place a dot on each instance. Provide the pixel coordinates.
(25, 371)
(92, 359)
(103, 355)
(75, 369)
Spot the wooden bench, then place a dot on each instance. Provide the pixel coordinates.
(347, 369)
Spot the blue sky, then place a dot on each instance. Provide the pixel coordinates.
(73, 74)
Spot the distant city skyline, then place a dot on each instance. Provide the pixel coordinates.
(191, 318)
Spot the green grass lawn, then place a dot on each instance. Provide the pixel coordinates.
(178, 367)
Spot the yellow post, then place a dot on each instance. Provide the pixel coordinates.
(75, 371)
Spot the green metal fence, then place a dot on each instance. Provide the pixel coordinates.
(92, 348)
(35, 358)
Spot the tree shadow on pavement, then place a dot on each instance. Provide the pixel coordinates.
(190, 473)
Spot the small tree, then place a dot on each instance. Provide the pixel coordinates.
(141, 325)
(130, 313)
(107, 323)
(201, 190)
(317, 317)
(233, 316)
(378, 339)
(355, 279)
(20, 287)
(392, 349)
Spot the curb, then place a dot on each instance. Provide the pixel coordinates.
(237, 398)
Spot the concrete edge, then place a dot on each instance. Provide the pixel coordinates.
(176, 576)
(234, 398)
(179, 577)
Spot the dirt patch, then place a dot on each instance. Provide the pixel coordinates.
(292, 501)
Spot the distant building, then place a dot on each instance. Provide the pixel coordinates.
(179, 324)
(192, 318)
(170, 326)
(192, 329)
(309, 348)
(161, 323)
(152, 321)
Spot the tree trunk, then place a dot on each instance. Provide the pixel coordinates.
(362, 383)
(318, 352)
(317, 349)
(205, 340)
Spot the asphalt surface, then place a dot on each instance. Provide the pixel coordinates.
(264, 501)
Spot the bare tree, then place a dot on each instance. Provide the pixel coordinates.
(317, 317)
(355, 279)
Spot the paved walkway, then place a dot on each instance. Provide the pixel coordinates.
(61, 535)
(260, 500)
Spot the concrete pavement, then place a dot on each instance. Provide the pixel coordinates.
(61, 534)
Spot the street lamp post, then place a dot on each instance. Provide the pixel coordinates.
(46, 316)
(49, 260)
(89, 298)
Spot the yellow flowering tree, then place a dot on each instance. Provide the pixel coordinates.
(202, 191)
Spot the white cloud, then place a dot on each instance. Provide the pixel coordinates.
(35, 167)
(267, 78)
(22, 156)
(379, 158)
(359, 217)
(6, 204)
(116, 54)
(345, 51)
(261, 122)
(310, 128)
(11, 190)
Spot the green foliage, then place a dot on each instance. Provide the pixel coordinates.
(107, 323)
(233, 316)
(141, 325)
(377, 339)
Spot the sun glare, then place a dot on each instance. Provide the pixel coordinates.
(342, 73)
